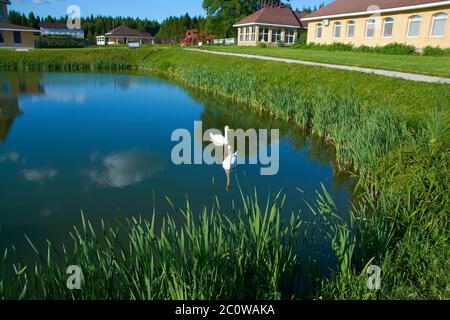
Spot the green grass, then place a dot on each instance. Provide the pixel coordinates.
(392, 133)
(434, 66)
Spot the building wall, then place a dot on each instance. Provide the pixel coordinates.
(399, 34)
(243, 41)
(63, 32)
(27, 40)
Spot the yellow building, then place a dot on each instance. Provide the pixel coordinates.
(419, 23)
(13, 36)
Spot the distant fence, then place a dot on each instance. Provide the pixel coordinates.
(227, 42)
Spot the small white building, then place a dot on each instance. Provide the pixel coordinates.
(101, 40)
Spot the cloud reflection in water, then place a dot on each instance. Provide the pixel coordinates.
(125, 168)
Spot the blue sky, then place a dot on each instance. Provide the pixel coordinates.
(151, 9)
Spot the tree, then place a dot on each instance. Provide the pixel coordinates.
(225, 13)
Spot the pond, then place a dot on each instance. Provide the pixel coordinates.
(101, 144)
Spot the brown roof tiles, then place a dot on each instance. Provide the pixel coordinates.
(339, 7)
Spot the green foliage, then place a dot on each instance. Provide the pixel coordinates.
(225, 13)
(302, 39)
(393, 48)
(246, 255)
(435, 51)
(62, 42)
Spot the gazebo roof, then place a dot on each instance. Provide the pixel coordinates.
(125, 31)
(273, 15)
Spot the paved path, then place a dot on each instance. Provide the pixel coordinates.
(386, 73)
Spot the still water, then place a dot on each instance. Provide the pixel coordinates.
(101, 144)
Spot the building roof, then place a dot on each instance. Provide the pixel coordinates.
(123, 30)
(352, 7)
(273, 15)
(54, 25)
(14, 27)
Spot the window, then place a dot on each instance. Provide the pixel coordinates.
(17, 37)
(337, 30)
(290, 36)
(388, 27)
(253, 33)
(351, 29)
(319, 28)
(438, 25)
(2, 40)
(276, 35)
(370, 28)
(414, 26)
(264, 34)
(247, 33)
(241, 36)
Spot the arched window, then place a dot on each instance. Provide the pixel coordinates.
(438, 25)
(319, 29)
(350, 29)
(388, 27)
(337, 29)
(414, 26)
(370, 28)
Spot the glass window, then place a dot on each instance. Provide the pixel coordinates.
(439, 23)
(276, 35)
(17, 37)
(319, 31)
(253, 33)
(2, 40)
(414, 26)
(337, 30)
(351, 29)
(264, 34)
(247, 34)
(388, 27)
(370, 28)
(241, 36)
(290, 36)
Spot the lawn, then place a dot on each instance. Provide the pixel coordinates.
(435, 66)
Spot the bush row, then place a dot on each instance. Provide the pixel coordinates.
(393, 49)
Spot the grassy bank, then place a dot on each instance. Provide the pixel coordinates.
(434, 66)
(394, 134)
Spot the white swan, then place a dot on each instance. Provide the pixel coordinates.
(231, 161)
(219, 140)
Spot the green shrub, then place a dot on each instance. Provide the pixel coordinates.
(302, 38)
(396, 48)
(435, 51)
(62, 42)
(393, 48)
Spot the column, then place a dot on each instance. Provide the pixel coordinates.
(270, 36)
(283, 35)
(256, 34)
